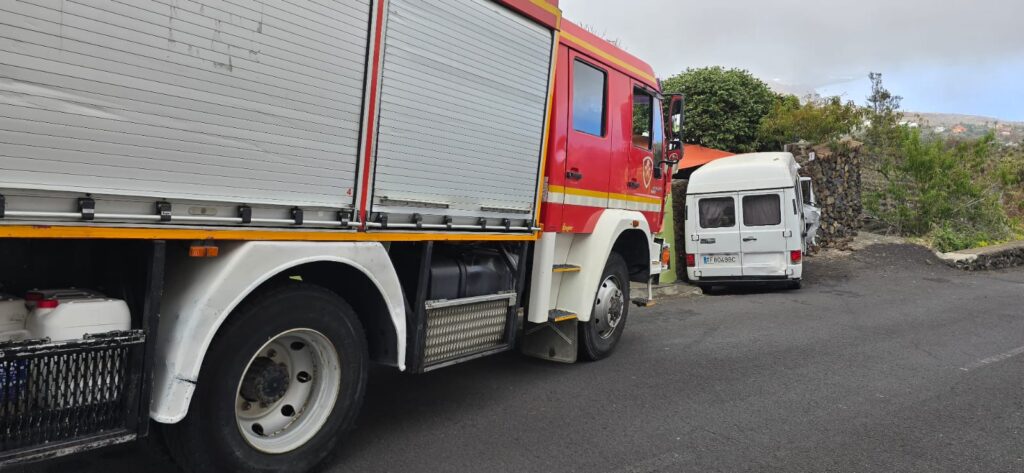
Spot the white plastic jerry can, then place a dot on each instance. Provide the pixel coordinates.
(12, 318)
(70, 314)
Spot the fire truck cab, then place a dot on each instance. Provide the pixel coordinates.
(609, 164)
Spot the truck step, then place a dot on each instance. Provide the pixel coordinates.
(463, 329)
(566, 268)
(643, 302)
(559, 315)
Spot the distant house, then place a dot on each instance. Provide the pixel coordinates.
(959, 130)
(939, 129)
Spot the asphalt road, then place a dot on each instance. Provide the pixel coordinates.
(885, 361)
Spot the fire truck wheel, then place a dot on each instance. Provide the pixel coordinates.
(282, 380)
(599, 336)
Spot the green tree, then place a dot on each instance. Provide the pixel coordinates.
(724, 107)
(883, 137)
(818, 120)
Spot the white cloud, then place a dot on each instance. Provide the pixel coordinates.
(805, 44)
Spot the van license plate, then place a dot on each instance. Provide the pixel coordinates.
(713, 260)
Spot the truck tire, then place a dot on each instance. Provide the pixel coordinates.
(282, 380)
(601, 334)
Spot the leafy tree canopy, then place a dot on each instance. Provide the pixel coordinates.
(818, 120)
(724, 107)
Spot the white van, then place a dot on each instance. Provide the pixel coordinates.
(744, 221)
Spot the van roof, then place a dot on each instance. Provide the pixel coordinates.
(745, 172)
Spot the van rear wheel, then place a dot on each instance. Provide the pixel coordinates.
(601, 334)
(284, 377)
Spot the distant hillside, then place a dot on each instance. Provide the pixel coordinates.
(967, 126)
(952, 119)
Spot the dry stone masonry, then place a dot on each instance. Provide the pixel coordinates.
(1007, 255)
(835, 171)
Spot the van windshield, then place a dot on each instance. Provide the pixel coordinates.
(718, 212)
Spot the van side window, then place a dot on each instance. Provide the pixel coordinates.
(719, 212)
(643, 118)
(588, 98)
(762, 210)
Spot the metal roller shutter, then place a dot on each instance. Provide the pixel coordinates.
(210, 100)
(463, 100)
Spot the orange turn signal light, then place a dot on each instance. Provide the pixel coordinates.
(203, 251)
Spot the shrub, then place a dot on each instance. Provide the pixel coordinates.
(724, 107)
(942, 191)
(819, 120)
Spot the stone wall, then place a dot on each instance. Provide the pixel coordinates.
(836, 174)
(1007, 255)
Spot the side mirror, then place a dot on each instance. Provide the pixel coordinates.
(674, 121)
(808, 191)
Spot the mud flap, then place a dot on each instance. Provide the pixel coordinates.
(553, 341)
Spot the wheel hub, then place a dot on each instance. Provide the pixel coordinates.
(608, 307)
(265, 382)
(288, 391)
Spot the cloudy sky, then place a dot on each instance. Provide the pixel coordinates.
(964, 56)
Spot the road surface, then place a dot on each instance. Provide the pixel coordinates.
(885, 361)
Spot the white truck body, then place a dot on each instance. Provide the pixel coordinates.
(208, 106)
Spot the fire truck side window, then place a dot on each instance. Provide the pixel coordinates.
(643, 118)
(588, 96)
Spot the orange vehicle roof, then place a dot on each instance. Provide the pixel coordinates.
(697, 155)
(578, 38)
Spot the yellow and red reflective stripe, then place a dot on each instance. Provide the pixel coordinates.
(372, 110)
(577, 41)
(136, 233)
(547, 125)
(604, 195)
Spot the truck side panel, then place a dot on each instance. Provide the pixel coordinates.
(195, 99)
(463, 103)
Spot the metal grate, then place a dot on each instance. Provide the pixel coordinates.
(457, 329)
(53, 392)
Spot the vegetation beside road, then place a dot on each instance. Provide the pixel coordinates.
(954, 193)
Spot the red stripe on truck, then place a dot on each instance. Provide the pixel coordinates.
(372, 110)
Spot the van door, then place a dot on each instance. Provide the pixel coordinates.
(764, 234)
(717, 237)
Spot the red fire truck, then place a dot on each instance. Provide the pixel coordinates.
(214, 214)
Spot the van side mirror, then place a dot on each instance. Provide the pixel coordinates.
(808, 190)
(674, 121)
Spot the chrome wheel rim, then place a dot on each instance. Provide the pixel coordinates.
(287, 391)
(609, 307)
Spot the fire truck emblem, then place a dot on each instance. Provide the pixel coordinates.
(648, 171)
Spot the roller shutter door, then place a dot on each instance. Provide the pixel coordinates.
(463, 101)
(213, 100)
